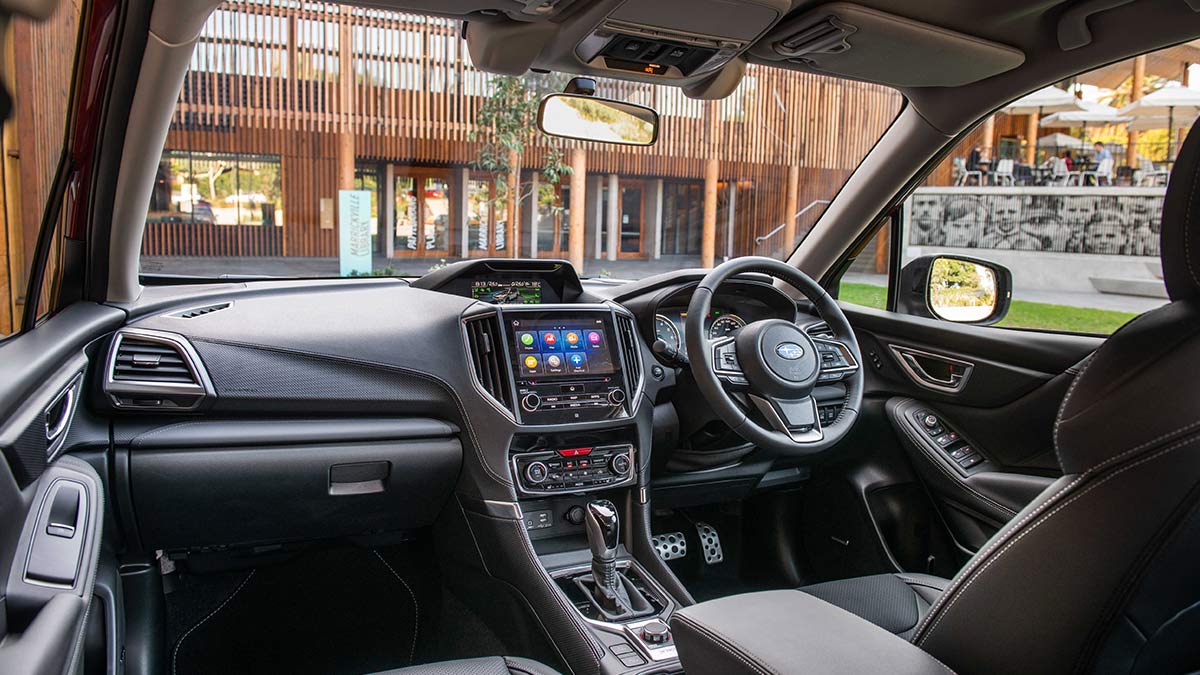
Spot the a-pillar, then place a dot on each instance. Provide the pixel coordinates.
(708, 232)
(613, 218)
(1136, 86)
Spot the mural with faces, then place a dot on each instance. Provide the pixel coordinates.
(1110, 224)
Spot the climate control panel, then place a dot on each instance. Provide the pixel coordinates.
(576, 469)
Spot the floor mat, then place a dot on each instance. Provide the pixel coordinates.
(342, 610)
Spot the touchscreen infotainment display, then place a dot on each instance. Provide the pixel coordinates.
(561, 348)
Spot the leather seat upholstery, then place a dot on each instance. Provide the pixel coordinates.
(1098, 572)
(491, 665)
(894, 602)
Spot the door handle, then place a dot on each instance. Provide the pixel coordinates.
(933, 371)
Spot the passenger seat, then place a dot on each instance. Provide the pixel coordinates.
(489, 665)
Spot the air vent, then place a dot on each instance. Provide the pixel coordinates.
(201, 311)
(154, 370)
(491, 370)
(826, 36)
(140, 360)
(631, 348)
(819, 330)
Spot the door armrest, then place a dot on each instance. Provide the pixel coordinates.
(789, 632)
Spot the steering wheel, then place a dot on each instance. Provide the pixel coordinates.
(775, 365)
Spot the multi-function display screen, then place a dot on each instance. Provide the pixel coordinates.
(561, 348)
(507, 291)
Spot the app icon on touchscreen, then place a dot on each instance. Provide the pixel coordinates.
(595, 338)
(578, 362)
(550, 341)
(573, 339)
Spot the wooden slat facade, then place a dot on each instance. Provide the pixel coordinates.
(266, 79)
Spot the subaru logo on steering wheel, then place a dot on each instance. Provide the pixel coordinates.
(789, 350)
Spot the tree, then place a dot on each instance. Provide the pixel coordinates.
(504, 124)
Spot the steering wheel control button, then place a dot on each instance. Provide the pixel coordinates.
(656, 633)
(536, 472)
(531, 402)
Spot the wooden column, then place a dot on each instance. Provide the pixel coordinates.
(514, 199)
(882, 249)
(613, 217)
(708, 227)
(989, 133)
(345, 146)
(708, 232)
(1181, 133)
(1135, 93)
(791, 205)
(1031, 138)
(578, 208)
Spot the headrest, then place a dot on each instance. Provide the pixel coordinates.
(1181, 222)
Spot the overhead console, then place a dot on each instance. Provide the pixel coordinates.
(677, 41)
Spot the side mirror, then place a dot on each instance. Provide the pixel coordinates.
(588, 118)
(955, 288)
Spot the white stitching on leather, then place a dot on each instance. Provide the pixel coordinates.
(1066, 398)
(1188, 227)
(726, 645)
(175, 653)
(412, 651)
(956, 593)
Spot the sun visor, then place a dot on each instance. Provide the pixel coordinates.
(852, 41)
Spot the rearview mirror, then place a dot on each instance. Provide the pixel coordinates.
(955, 288)
(588, 118)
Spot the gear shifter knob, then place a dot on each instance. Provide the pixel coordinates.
(603, 528)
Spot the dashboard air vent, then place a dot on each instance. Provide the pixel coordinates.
(201, 311)
(819, 330)
(155, 370)
(491, 371)
(632, 350)
(141, 360)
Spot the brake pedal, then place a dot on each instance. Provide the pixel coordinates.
(669, 546)
(710, 543)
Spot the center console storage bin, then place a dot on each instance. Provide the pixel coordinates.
(246, 482)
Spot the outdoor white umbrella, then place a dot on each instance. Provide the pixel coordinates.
(1092, 113)
(1170, 102)
(1042, 101)
(1149, 123)
(1061, 141)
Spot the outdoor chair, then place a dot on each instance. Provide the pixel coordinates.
(1004, 173)
(1059, 174)
(1150, 175)
(962, 176)
(1103, 170)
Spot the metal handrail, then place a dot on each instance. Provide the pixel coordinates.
(760, 239)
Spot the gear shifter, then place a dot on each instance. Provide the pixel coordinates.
(603, 528)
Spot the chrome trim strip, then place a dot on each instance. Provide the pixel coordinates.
(202, 389)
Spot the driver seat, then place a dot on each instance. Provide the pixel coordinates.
(1098, 573)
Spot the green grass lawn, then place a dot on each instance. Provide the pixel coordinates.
(1021, 314)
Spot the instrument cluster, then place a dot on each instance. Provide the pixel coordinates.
(670, 325)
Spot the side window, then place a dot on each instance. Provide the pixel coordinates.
(1064, 189)
(866, 282)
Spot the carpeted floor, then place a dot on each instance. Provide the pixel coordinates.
(339, 610)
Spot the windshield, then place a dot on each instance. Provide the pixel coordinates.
(300, 125)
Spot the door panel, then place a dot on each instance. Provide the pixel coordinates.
(51, 506)
(974, 409)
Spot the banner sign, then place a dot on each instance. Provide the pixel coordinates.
(354, 232)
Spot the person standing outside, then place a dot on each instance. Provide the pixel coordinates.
(1101, 153)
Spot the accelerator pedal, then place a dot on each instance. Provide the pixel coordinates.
(669, 546)
(710, 543)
